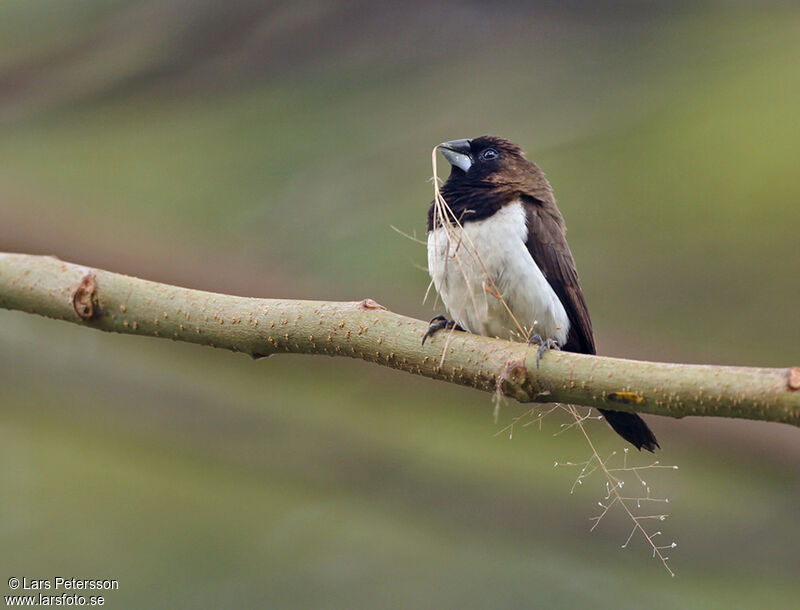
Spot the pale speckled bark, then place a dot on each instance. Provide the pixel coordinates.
(259, 327)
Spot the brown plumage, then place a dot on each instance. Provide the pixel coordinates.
(491, 174)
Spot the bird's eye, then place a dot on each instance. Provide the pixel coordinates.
(489, 154)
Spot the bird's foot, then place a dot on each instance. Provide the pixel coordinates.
(438, 323)
(544, 345)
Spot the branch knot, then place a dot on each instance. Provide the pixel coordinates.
(84, 299)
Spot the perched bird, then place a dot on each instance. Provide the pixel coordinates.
(500, 262)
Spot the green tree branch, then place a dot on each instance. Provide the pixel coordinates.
(260, 327)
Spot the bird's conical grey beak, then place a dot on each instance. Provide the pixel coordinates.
(457, 152)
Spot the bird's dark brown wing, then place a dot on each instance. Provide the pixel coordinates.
(547, 244)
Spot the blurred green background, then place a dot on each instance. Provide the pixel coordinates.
(266, 149)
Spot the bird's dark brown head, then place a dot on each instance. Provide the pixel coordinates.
(488, 172)
(484, 159)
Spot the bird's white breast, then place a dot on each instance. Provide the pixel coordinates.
(470, 266)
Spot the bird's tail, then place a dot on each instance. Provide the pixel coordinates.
(632, 428)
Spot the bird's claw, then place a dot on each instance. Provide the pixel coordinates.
(438, 323)
(544, 345)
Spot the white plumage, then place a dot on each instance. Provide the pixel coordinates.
(458, 265)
